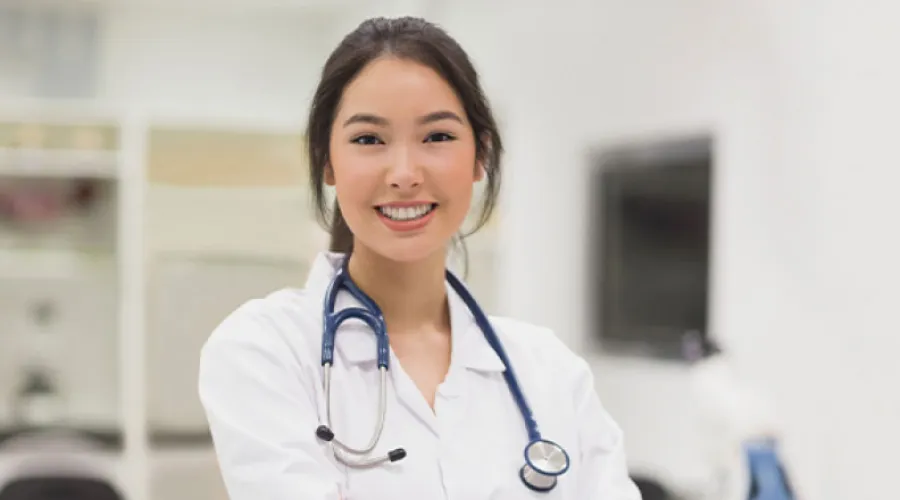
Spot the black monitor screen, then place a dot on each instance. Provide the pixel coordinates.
(650, 245)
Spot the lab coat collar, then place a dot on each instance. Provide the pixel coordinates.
(356, 343)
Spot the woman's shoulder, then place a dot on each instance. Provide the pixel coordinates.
(535, 344)
(278, 324)
(550, 372)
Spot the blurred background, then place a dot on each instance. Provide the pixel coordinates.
(682, 178)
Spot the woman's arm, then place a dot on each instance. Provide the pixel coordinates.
(603, 474)
(262, 416)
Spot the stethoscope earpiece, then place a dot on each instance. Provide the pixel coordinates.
(397, 455)
(324, 433)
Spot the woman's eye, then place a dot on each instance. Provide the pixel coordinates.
(439, 137)
(366, 140)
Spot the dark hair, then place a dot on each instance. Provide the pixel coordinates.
(406, 38)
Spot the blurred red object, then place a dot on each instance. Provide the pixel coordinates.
(36, 202)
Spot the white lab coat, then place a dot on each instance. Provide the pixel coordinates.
(261, 386)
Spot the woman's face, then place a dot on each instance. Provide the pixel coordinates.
(402, 160)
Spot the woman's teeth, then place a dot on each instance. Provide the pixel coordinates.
(406, 213)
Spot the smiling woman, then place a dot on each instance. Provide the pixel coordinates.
(401, 129)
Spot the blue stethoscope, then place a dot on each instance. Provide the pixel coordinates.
(545, 460)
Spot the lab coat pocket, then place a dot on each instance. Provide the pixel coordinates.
(388, 481)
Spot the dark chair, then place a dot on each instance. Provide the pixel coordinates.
(59, 488)
(650, 490)
(56, 464)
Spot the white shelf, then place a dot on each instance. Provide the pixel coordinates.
(60, 111)
(39, 264)
(59, 164)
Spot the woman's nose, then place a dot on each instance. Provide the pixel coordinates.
(404, 172)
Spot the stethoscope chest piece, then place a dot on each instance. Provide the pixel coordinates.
(545, 461)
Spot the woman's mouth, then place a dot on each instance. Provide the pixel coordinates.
(408, 213)
(407, 217)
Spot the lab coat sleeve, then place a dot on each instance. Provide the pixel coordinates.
(603, 471)
(262, 416)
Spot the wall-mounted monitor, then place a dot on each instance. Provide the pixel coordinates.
(650, 245)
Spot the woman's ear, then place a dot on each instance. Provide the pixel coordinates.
(479, 170)
(328, 176)
(481, 163)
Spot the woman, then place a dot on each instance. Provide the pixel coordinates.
(400, 128)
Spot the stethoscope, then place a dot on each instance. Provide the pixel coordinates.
(545, 460)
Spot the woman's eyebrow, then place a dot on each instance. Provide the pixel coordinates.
(366, 118)
(372, 119)
(438, 116)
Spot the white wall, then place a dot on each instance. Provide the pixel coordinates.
(251, 61)
(230, 66)
(840, 82)
(799, 96)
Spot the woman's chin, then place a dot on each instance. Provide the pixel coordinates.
(410, 250)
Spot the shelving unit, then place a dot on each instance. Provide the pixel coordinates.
(58, 164)
(72, 264)
(157, 239)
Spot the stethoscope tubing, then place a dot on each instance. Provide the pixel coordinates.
(508, 373)
(382, 410)
(370, 313)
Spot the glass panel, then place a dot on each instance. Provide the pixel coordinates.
(228, 220)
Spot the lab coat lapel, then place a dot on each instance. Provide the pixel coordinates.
(470, 347)
(470, 350)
